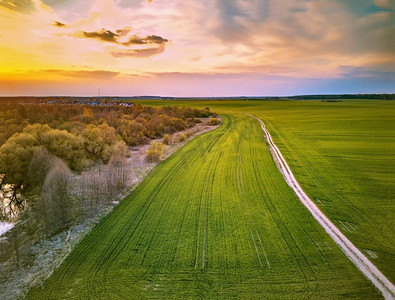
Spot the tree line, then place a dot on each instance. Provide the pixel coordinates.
(40, 143)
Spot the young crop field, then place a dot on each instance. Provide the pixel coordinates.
(215, 220)
(343, 155)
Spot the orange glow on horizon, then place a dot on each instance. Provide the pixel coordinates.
(98, 41)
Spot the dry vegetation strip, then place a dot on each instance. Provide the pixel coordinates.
(214, 220)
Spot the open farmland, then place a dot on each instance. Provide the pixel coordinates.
(214, 220)
(343, 156)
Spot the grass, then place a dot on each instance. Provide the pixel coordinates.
(215, 220)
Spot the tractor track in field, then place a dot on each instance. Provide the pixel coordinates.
(202, 216)
(117, 245)
(248, 214)
(352, 252)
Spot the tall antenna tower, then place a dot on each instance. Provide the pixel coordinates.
(99, 92)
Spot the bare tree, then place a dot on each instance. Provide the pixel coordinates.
(56, 198)
(39, 166)
(92, 192)
(118, 173)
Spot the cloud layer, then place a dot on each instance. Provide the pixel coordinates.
(109, 36)
(298, 39)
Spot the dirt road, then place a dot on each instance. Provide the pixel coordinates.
(356, 256)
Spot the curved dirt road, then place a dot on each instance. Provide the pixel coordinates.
(356, 256)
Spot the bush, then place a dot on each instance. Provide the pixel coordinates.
(189, 133)
(180, 137)
(166, 139)
(155, 151)
(214, 121)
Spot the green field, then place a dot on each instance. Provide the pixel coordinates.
(343, 155)
(214, 220)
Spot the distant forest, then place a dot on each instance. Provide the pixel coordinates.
(347, 96)
(326, 97)
(118, 100)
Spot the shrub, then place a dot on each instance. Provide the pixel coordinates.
(180, 137)
(155, 151)
(189, 133)
(214, 121)
(166, 139)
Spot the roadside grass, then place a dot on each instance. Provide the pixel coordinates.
(215, 220)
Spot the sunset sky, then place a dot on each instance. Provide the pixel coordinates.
(196, 48)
